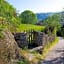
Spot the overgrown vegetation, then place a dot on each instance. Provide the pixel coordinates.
(60, 32)
(3, 26)
(23, 62)
(9, 12)
(52, 23)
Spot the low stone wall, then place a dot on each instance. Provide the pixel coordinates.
(21, 39)
(39, 39)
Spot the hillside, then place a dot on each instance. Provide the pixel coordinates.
(9, 12)
(43, 16)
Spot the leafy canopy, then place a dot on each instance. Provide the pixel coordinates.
(53, 21)
(28, 17)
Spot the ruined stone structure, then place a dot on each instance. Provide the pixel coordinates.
(40, 38)
(21, 39)
(35, 39)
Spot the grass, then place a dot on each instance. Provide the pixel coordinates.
(23, 27)
(23, 62)
(26, 54)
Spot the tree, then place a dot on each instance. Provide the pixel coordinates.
(28, 17)
(62, 18)
(52, 23)
(61, 31)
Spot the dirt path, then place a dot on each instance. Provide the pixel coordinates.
(56, 55)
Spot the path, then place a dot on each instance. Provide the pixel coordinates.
(56, 55)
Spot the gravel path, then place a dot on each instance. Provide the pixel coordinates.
(56, 55)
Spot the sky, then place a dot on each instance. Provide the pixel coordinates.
(38, 6)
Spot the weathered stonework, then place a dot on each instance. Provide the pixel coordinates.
(38, 39)
(21, 39)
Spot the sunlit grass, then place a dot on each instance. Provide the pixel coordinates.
(23, 27)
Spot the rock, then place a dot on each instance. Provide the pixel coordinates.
(21, 39)
(8, 48)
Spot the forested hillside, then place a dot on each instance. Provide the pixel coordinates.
(43, 16)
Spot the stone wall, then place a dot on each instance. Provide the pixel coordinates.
(39, 39)
(21, 39)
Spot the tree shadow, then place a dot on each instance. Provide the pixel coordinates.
(59, 51)
(59, 60)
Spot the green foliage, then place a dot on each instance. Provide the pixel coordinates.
(28, 17)
(1, 35)
(27, 27)
(9, 12)
(61, 32)
(53, 21)
(62, 17)
(23, 62)
(3, 26)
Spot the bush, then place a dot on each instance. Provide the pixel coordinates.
(61, 32)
